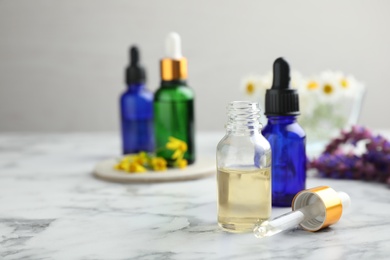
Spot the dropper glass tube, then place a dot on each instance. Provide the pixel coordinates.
(311, 217)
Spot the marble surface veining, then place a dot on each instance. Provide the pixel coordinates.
(51, 207)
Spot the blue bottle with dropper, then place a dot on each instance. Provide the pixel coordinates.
(136, 105)
(286, 136)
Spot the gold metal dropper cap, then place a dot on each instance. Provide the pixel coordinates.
(331, 204)
(173, 69)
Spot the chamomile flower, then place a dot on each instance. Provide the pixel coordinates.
(296, 79)
(327, 101)
(250, 85)
(351, 87)
(312, 85)
(308, 89)
(329, 87)
(266, 80)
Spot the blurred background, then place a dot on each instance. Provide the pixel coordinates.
(62, 62)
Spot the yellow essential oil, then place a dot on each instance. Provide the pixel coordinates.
(244, 198)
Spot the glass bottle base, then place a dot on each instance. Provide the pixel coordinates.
(237, 228)
(239, 225)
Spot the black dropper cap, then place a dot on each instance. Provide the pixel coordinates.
(134, 72)
(281, 99)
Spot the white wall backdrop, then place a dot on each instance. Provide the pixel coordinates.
(62, 62)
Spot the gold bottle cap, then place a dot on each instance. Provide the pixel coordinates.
(173, 69)
(332, 204)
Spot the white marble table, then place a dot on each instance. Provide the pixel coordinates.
(51, 207)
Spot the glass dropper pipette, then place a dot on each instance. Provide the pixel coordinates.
(315, 209)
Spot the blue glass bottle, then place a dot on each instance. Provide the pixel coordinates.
(136, 105)
(286, 136)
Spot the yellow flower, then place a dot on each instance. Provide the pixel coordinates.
(159, 164)
(177, 155)
(178, 146)
(250, 88)
(131, 167)
(135, 168)
(311, 85)
(141, 158)
(122, 165)
(328, 89)
(344, 83)
(175, 143)
(181, 163)
(117, 166)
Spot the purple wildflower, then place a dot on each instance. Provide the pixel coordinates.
(373, 164)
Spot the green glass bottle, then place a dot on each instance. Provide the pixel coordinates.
(174, 107)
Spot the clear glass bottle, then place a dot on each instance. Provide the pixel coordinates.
(244, 170)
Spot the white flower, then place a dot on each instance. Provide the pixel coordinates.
(346, 86)
(309, 86)
(250, 85)
(296, 79)
(330, 99)
(255, 86)
(308, 91)
(330, 87)
(351, 87)
(266, 80)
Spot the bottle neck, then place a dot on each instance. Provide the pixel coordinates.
(173, 83)
(281, 120)
(135, 87)
(243, 118)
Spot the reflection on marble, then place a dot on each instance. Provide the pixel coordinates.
(51, 207)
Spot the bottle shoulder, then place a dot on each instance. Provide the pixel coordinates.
(174, 93)
(291, 130)
(244, 151)
(141, 95)
(256, 140)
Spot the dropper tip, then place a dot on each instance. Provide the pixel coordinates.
(260, 232)
(280, 60)
(134, 55)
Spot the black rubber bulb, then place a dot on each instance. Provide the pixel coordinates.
(281, 74)
(135, 73)
(281, 99)
(134, 56)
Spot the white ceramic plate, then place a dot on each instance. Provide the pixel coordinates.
(203, 167)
